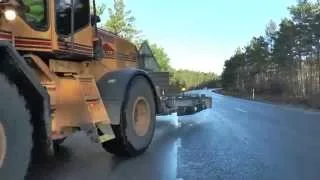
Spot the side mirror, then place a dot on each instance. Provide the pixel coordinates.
(95, 19)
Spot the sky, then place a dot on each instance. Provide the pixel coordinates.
(201, 34)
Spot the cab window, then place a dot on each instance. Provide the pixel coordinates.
(63, 15)
(36, 16)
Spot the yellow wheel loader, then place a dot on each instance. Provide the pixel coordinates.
(60, 74)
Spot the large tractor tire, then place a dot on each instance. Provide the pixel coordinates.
(15, 132)
(137, 122)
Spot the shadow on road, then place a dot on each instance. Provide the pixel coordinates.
(78, 158)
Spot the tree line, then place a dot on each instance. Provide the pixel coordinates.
(193, 79)
(122, 23)
(285, 61)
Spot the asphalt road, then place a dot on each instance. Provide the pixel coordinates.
(236, 139)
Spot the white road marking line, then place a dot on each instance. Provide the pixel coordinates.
(241, 110)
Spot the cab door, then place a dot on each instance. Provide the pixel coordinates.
(73, 27)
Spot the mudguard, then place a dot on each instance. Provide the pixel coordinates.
(16, 69)
(113, 87)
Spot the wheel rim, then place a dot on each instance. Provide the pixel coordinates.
(3, 144)
(141, 116)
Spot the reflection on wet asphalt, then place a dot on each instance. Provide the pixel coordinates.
(237, 139)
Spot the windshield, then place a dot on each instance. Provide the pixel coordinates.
(63, 16)
(37, 14)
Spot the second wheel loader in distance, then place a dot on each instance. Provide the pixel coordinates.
(60, 74)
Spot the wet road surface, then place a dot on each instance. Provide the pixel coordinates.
(236, 139)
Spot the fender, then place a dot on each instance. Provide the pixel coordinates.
(113, 87)
(16, 69)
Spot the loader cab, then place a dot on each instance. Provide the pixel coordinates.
(63, 29)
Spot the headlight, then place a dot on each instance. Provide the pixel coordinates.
(10, 14)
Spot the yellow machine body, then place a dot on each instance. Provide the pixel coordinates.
(65, 62)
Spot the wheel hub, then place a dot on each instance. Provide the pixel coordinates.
(3, 144)
(141, 116)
